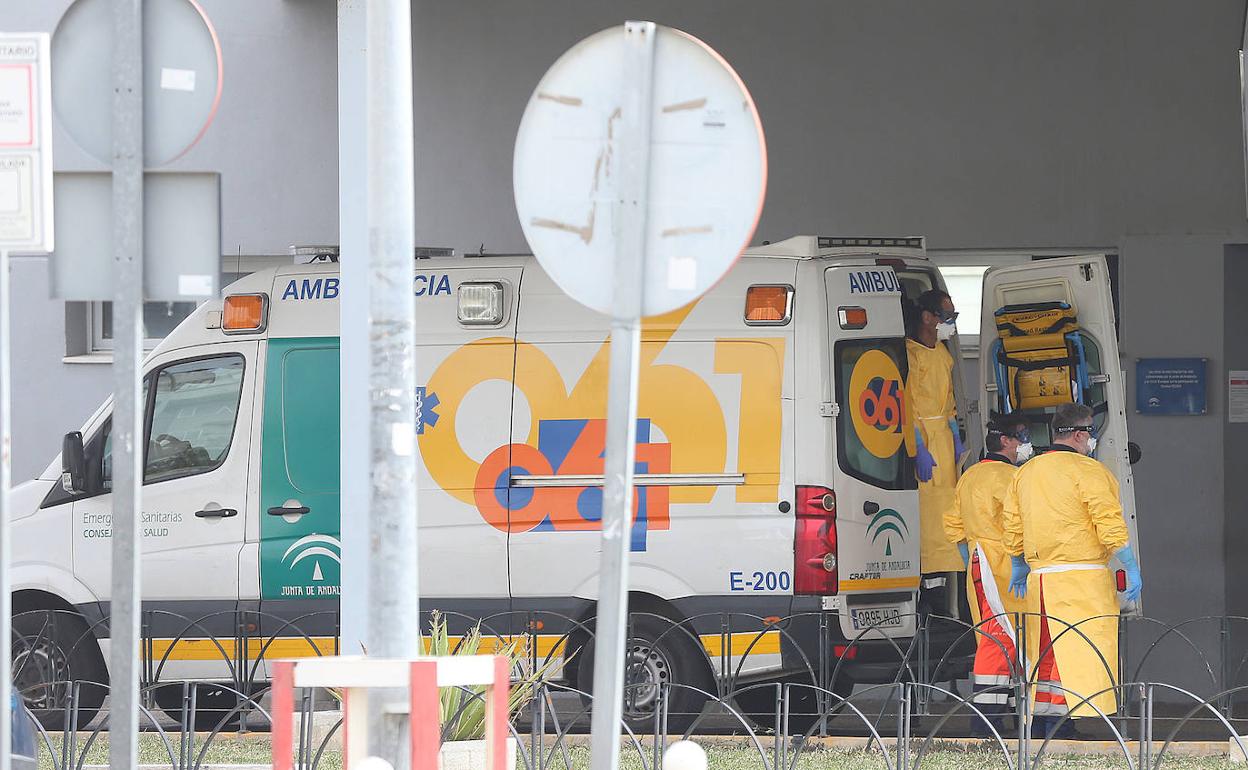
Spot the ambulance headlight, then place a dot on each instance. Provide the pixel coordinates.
(480, 304)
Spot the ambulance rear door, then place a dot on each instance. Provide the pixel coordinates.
(877, 511)
(1083, 282)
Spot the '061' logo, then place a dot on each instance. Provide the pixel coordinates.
(877, 397)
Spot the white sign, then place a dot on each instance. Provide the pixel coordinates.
(706, 176)
(25, 143)
(1237, 395)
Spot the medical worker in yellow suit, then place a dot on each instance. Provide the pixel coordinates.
(975, 524)
(1063, 522)
(932, 435)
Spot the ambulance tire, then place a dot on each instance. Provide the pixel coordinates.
(51, 647)
(216, 706)
(759, 703)
(658, 650)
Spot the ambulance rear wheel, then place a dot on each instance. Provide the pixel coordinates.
(657, 653)
(52, 651)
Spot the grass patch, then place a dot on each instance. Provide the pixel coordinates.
(255, 749)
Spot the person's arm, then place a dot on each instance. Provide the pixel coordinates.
(1012, 520)
(955, 529)
(1099, 491)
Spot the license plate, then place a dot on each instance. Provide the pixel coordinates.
(876, 617)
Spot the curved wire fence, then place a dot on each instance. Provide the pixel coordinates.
(778, 690)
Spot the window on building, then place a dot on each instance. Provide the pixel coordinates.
(90, 327)
(159, 318)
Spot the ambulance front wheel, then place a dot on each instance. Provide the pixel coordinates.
(55, 651)
(658, 652)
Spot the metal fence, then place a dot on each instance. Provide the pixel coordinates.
(772, 686)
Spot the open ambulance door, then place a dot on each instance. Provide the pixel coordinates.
(1048, 336)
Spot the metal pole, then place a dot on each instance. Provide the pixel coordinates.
(127, 427)
(629, 273)
(394, 603)
(6, 546)
(353, 321)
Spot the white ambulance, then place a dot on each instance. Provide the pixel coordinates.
(773, 480)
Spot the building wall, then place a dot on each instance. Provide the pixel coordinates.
(274, 141)
(1039, 124)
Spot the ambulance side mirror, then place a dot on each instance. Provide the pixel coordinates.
(1134, 453)
(73, 464)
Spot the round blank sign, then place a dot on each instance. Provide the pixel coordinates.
(708, 170)
(181, 77)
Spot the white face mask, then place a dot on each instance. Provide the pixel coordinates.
(1091, 445)
(1025, 453)
(944, 331)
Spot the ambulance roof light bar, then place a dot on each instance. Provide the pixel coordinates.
(310, 255)
(915, 242)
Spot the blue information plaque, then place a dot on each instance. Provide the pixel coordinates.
(1170, 385)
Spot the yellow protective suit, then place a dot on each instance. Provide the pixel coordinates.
(977, 518)
(930, 405)
(1064, 515)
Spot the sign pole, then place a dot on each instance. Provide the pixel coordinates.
(393, 592)
(629, 275)
(6, 481)
(127, 441)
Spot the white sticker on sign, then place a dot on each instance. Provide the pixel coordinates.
(10, 191)
(682, 274)
(1237, 394)
(403, 439)
(17, 107)
(177, 80)
(191, 285)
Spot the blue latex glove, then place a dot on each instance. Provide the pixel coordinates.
(959, 448)
(1019, 570)
(1134, 581)
(965, 550)
(923, 460)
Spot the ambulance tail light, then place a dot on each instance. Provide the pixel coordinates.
(245, 313)
(1120, 579)
(814, 542)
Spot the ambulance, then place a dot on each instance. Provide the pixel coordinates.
(773, 483)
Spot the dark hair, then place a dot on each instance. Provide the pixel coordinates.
(1001, 425)
(911, 315)
(933, 301)
(1070, 416)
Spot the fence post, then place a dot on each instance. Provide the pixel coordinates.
(1023, 698)
(903, 725)
(1146, 725)
(1224, 669)
(824, 675)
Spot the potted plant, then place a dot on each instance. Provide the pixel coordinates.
(463, 709)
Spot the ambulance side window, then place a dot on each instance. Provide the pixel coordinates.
(192, 417)
(870, 442)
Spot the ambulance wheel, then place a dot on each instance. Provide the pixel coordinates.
(216, 706)
(759, 703)
(658, 652)
(51, 650)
